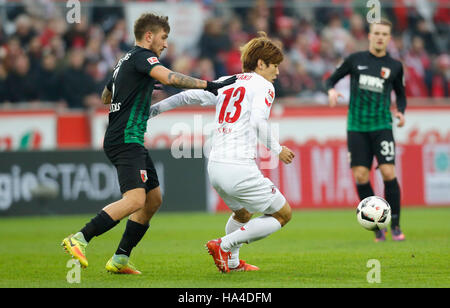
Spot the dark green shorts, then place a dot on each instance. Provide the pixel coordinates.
(363, 146)
(135, 168)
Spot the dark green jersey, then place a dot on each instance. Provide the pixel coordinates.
(372, 81)
(131, 87)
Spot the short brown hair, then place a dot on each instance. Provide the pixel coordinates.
(262, 48)
(383, 21)
(150, 22)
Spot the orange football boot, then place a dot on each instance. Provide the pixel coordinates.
(220, 256)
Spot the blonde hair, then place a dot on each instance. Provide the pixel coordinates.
(262, 48)
(383, 21)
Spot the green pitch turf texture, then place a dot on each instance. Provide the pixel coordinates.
(316, 249)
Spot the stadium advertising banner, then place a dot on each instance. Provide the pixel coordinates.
(28, 130)
(302, 125)
(436, 170)
(63, 182)
(320, 176)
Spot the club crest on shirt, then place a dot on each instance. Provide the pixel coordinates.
(385, 72)
(152, 60)
(269, 98)
(144, 177)
(274, 189)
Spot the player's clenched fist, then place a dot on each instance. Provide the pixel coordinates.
(286, 155)
(333, 96)
(213, 86)
(401, 119)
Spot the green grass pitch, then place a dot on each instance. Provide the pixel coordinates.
(325, 248)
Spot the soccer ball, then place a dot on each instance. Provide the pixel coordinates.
(373, 213)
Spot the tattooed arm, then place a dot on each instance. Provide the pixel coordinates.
(106, 96)
(177, 80)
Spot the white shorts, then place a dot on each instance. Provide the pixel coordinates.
(244, 186)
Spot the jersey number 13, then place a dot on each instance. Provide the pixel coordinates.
(235, 96)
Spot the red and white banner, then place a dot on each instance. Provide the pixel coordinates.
(436, 173)
(27, 130)
(320, 177)
(299, 124)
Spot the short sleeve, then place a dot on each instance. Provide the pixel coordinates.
(109, 85)
(146, 61)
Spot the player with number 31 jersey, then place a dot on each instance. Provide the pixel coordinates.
(374, 74)
(242, 112)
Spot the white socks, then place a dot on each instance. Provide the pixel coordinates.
(231, 226)
(256, 229)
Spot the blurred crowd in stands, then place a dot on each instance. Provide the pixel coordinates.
(45, 59)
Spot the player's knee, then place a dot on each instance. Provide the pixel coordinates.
(284, 215)
(242, 216)
(136, 201)
(361, 179)
(361, 175)
(154, 197)
(151, 208)
(287, 217)
(153, 201)
(156, 201)
(388, 177)
(387, 173)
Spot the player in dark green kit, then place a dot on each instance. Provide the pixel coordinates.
(129, 94)
(374, 74)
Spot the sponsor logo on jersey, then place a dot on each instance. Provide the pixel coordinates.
(144, 177)
(361, 67)
(385, 72)
(114, 107)
(371, 83)
(152, 60)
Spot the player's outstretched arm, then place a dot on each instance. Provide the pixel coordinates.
(190, 97)
(178, 80)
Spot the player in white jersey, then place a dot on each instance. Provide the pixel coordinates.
(242, 112)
